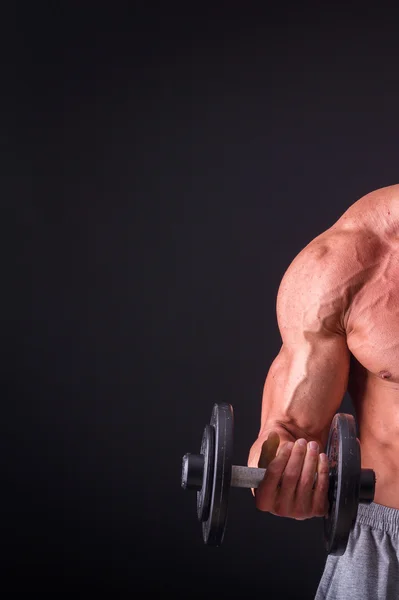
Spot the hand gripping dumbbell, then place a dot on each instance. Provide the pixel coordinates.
(211, 474)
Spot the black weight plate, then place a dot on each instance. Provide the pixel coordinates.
(204, 495)
(214, 527)
(343, 451)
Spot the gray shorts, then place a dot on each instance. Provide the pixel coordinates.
(369, 569)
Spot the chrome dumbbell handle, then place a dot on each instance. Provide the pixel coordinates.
(246, 477)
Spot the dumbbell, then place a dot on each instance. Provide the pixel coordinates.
(211, 474)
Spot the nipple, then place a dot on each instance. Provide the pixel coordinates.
(384, 374)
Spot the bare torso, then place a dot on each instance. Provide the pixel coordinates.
(372, 331)
(338, 316)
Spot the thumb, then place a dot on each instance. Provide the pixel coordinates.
(269, 450)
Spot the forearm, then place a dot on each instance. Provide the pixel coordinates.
(300, 397)
(289, 429)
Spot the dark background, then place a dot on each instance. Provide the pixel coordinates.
(162, 165)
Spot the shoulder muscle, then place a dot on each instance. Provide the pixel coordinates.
(316, 291)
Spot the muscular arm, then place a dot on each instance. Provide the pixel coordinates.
(307, 381)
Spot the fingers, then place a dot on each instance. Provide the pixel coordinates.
(269, 450)
(268, 488)
(304, 490)
(320, 494)
(287, 496)
(296, 480)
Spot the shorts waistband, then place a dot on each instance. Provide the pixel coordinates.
(378, 516)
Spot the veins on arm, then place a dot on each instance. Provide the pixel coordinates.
(309, 377)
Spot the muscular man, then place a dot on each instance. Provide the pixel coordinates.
(338, 315)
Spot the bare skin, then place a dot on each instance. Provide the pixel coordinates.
(338, 316)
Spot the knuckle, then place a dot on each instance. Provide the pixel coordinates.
(263, 503)
(262, 507)
(320, 504)
(304, 506)
(312, 463)
(304, 514)
(274, 468)
(307, 481)
(279, 509)
(299, 454)
(319, 511)
(323, 468)
(322, 488)
(300, 514)
(290, 477)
